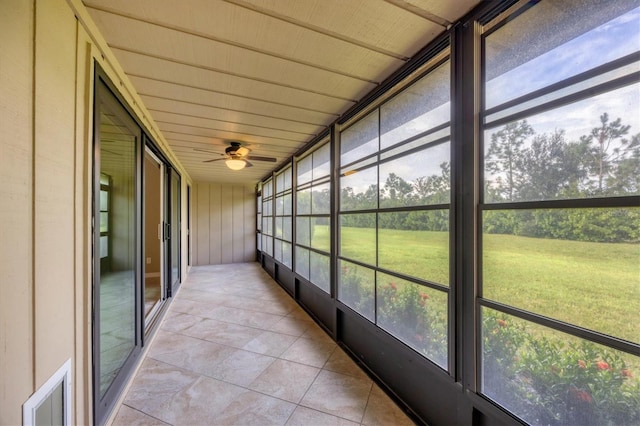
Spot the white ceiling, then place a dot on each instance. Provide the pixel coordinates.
(271, 74)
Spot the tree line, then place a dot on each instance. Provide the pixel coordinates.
(521, 165)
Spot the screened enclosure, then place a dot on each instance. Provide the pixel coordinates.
(471, 231)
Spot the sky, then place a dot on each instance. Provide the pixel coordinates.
(611, 40)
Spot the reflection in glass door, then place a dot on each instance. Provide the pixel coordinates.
(116, 247)
(174, 230)
(154, 251)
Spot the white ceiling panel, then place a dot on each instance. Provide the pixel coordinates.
(271, 74)
(373, 23)
(250, 30)
(151, 40)
(162, 70)
(203, 97)
(449, 10)
(155, 104)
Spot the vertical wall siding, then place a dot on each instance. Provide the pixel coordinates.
(16, 151)
(54, 188)
(224, 223)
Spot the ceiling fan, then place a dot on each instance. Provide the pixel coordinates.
(236, 156)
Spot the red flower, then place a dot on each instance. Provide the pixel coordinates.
(626, 372)
(502, 323)
(424, 296)
(603, 365)
(581, 395)
(582, 364)
(393, 286)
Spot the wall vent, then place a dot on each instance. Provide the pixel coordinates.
(51, 404)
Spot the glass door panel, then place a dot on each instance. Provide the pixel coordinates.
(154, 201)
(174, 221)
(117, 275)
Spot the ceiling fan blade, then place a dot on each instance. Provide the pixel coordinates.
(257, 158)
(248, 163)
(215, 159)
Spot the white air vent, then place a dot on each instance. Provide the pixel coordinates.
(51, 404)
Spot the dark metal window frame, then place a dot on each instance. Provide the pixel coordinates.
(466, 204)
(321, 180)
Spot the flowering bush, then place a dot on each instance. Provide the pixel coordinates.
(416, 315)
(355, 290)
(550, 381)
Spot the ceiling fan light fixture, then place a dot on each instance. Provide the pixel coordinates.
(235, 164)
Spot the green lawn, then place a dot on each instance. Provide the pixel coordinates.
(593, 285)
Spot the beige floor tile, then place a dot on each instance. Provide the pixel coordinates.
(196, 355)
(340, 362)
(248, 318)
(292, 326)
(178, 321)
(214, 361)
(304, 416)
(316, 332)
(382, 411)
(223, 332)
(339, 395)
(309, 352)
(127, 416)
(177, 396)
(270, 343)
(285, 380)
(241, 367)
(252, 408)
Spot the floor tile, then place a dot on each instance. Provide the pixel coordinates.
(176, 396)
(290, 325)
(285, 380)
(222, 357)
(196, 355)
(178, 321)
(304, 416)
(309, 352)
(381, 411)
(270, 343)
(339, 395)
(223, 332)
(128, 416)
(241, 367)
(252, 408)
(340, 362)
(316, 332)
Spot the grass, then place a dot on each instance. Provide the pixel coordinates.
(593, 285)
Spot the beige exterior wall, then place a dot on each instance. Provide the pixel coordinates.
(224, 223)
(47, 54)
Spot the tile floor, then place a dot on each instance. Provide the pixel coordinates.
(235, 349)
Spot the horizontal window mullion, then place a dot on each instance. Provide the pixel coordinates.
(431, 144)
(580, 332)
(400, 209)
(360, 160)
(418, 136)
(605, 202)
(565, 100)
(579, 78)
(315, 250)
(424, 283)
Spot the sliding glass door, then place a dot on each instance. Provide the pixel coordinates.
(155, 252)
(174, 230)
(116, 246)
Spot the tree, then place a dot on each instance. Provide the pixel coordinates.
(396, 192)
(434, 189)
(551, 167)
(605, 155)
(505, 155)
